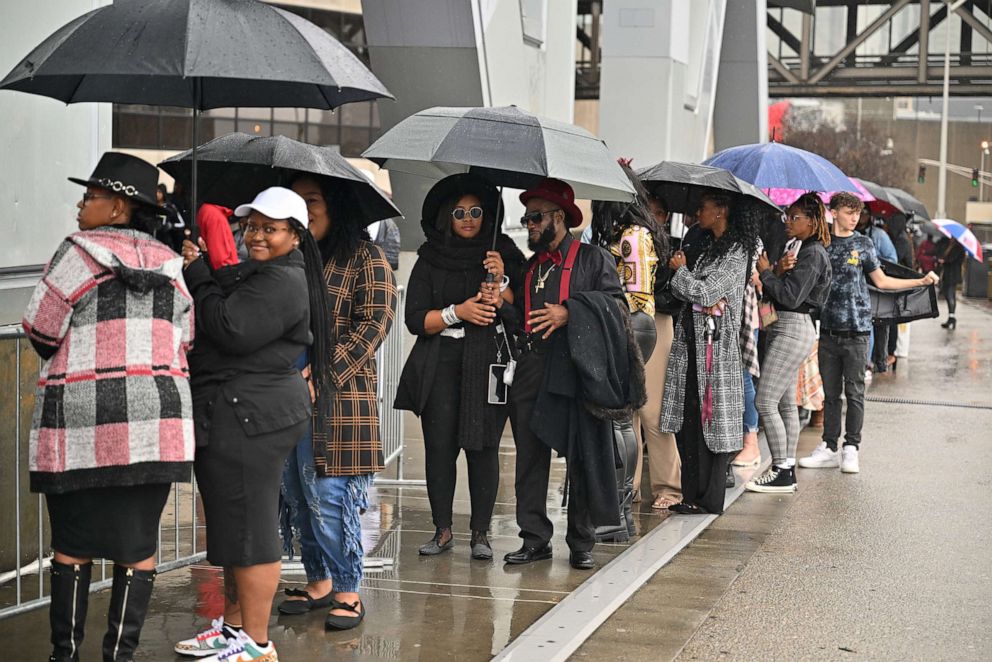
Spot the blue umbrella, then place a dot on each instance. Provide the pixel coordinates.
(774, 165)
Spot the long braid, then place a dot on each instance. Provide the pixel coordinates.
(320, 353)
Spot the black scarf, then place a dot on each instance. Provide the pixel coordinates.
(447, 252)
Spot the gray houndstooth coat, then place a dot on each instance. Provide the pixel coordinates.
(712, 281)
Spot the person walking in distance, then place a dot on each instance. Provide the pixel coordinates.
(845, 323)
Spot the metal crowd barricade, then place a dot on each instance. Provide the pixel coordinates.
(180, 530)
(389, 359)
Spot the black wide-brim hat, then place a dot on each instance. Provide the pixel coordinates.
(126, 176)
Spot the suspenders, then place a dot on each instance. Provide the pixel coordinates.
(564, 286)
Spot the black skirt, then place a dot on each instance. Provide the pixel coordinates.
(239, 478)
(115, 523)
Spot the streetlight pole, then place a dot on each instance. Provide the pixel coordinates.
(942, 177)
(981, 172)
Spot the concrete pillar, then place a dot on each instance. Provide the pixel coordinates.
(658, 77)
(741, 115)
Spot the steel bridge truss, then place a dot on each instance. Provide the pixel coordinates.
(796, 71)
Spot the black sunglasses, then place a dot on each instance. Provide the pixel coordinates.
(535, 217)
(460, 213)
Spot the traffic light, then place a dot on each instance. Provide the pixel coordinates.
(921, 174)
(974, 177)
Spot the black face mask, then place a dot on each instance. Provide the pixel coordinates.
(544, 241)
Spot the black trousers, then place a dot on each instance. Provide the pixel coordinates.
(441, 448)
(533, 468)
(704, 473)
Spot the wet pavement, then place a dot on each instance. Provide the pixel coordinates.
(892, 563)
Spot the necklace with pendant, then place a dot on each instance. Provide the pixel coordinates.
(542, 278)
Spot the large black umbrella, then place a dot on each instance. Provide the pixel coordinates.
(509, 146)
(910, 203)
(195, 54)
(680, 185)
(233, 168)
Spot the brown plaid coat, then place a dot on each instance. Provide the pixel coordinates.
(362, 296)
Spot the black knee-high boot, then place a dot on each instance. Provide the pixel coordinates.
(625, 453)
(67, 612)
(129, 600)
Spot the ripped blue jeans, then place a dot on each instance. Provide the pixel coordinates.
(325, 514)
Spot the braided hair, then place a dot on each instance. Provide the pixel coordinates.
(611, 219)
(743, 223)
(811, 205)
(321, 352)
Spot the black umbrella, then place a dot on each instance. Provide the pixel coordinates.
(680, 185)
(885, 203)
(910, 203)
(508, 146)
(195, 54)
(233, 168)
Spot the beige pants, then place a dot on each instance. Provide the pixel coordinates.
(664, 465)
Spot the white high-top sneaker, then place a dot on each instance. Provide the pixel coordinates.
(849, 460)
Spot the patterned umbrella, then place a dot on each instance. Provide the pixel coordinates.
(784, 197)
(960, 234)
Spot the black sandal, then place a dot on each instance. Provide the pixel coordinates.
(335, 622)
(294, 607)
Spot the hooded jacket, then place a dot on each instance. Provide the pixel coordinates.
(113, 320)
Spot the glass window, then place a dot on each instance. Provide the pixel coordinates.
(133, 130)
(354, 140)
(320, 134)
(254, 127)
(294, 130)
(355, 114)
(177, 132)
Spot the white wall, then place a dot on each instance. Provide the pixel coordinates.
(42, 141)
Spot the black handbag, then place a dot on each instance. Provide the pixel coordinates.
(902, 306)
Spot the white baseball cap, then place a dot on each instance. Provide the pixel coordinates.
(279, 203)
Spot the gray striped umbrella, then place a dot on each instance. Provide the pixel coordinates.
(508, 146)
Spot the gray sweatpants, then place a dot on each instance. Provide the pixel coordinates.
(789, 342)
(842, 366)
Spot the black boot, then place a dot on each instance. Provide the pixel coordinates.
(630, 466)
(951, 323)
(67, 612)
(129, 599)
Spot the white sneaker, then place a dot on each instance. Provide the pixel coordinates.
(868, 377)
(209, 642)
(821, 458)
(243, 649)
(849, 460)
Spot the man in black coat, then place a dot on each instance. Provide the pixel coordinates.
(538, 313)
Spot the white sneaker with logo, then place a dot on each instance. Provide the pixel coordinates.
(821, 458)
(209, 642)
(243, 649)
(849, 460)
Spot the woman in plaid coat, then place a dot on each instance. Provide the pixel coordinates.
(704, 399)
(112, 429)
(326, 480)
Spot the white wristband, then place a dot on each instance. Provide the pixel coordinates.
(505, 284)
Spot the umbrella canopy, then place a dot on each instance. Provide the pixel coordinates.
(910, 203)
(773, 165)
(235, 167)
(885, 203)
(508, 146)
(681, 184)
(195, 54)
(786, 196)
(960, 234)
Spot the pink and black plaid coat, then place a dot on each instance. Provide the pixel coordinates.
(113, 319)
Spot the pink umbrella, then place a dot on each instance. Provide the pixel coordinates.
(784, 197)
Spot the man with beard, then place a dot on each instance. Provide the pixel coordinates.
(539, 313)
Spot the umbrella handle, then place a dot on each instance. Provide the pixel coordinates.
(490, 278)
